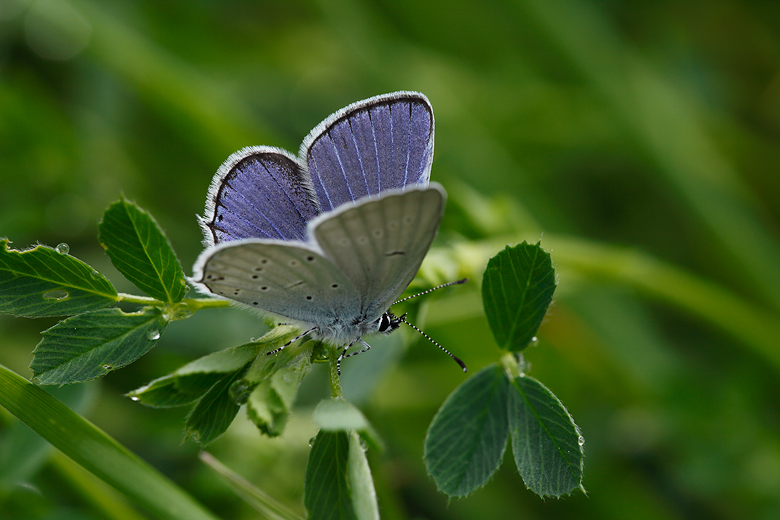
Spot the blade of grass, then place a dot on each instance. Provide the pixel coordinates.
(250, 494)
(94, 450)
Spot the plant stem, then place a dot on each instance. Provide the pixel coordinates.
(335, 384)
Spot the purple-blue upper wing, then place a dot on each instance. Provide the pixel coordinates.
(259, 192)
(385, 142)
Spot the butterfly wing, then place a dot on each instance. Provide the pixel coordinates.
(380, 243)
(381, 143)
(260, 192)
(291, 279)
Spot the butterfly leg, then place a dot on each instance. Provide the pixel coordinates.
(296, 338)
(368, 347)
(344, 354)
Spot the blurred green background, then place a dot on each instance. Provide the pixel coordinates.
(639, 139)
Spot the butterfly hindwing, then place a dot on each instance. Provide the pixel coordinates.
(380, 243)
(289, 279)
(259, 192)
(382, 143)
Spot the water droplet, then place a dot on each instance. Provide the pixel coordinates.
(95, 274)
(62, 248)
(252, 340)
(153, 335)
(311, 441)
(55, 295)
(108, 367)
(581, 440)
(135, 398)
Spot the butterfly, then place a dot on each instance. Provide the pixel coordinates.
(331, 238)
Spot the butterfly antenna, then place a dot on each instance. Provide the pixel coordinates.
(402, 319)
(296, 338)
(458, 282)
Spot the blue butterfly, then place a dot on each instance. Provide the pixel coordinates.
(331, 238)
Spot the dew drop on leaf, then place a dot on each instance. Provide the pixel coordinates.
(94, 274)
(153, 335)
(62, 248)
(55, 295)
(135, 398)
(108, 367)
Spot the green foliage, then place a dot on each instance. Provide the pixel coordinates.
(545, 441)
(516, 290)
(139, 249)
(93, 344)
(45, 282)
(644, 157)
(468, 435)
(94, 450)
(465, 443)
(467, 438)
(338, 483)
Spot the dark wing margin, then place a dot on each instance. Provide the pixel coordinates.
(381, 143)
(259, 192)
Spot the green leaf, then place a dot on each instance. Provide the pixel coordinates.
(139, 249)
(98, 453)
(42, 282)
(546, 443)
(90, 345)
(517, 288)
(360, 481)
(193, 380)
(326, 487)
(272, 399)
(214, 412)
(469, 433)
(340, 414)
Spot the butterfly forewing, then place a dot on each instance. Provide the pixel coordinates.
(379, 144)
(259, 192)
(380, 243)
(290, 280)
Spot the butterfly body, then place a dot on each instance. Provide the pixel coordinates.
(330, 239)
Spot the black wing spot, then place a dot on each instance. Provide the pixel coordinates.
(335, 286)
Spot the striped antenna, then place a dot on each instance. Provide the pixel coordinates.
(457, 282)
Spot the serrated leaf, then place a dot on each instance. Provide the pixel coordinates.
(545, 441)
(190, 382)
(42, 282)
(340, 414)
(517, 288)
(468, 435)
(139, 249)
(214, 412)
(90, 345)
(326, 487)
(271, 401)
